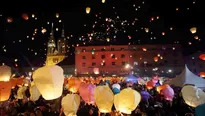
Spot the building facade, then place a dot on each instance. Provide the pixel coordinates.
(56, 53)
(196, 64)
(123, 59)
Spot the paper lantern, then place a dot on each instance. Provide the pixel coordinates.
(21, 92)
(116, 86)
(87, 92)
(34, 92)
(116, 90)
(150, 84)
(168, 93)
(49, 81)
(5, 90)
(146, 30)
(199, 110)
(127, 100)
(202, 74)
(25, 16)
(193, 30)
(104, 98)
(156, 59)
(202, 56)
(103, 1)
(5, 73)
(9, 19)
(193, 96)
(96, 71)
(74, 84)
(70, 104)
(159, 88)
(88, 10)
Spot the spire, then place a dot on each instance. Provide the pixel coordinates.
(63, 32)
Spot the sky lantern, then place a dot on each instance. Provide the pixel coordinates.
(70, 104)
(150, 84)
(21, 92)
(5, 90)
(34, 92)
(163, 33)
(57, 15)
(104, 98)
(127, 100)
(43, 31)
(9, 19)
(156, 59)
(193, 30)
(103, 1)
(87, 10)
(49, 81)
(202, 74)
(202, 56)
(87, 92)
(25, 16)
(193, 96)
(196, 37)
(146, 30)
(168, 93)
(5, 73)
(159, 88)
(73, 84)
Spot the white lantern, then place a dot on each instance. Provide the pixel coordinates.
(70, 104)
(103, 1)
(116, 86)
(21, 92)
(193, 96)
(127, 100)
(49, 81)
(5, 73)
(34, 92)
(193, 30)
(88, 10)
(104, 98)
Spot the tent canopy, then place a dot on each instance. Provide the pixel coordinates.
(187, 77)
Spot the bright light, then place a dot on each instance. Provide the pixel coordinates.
(127, 66)
(169, 71)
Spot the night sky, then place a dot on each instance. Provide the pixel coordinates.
(114, 22)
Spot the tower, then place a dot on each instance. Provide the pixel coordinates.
(55, 54)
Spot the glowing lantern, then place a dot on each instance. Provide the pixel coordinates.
(70, 104)
(5, 90)
(25, 16)
(159, 88)
(9, 20)
(5, 73)
(49, 81)
(196, 37)
(103, 1)
(156, 59)
(146, 30)
(193, 96)
(21, 92)
(202, 74)
(116, 86)
(57, 15)
(88, 10)
(202, 56)
(43, 30)
(127, 100)
(34, 92)
(96, 71)
(87, 92)
(168, 93)
(163, 33)
(193, 30)
(73, 84)
(108, 39)
(104, 98)
(144, 49)
(150, 84)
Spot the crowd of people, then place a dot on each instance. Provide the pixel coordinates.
(156, 105)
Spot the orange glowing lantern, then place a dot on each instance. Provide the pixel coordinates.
(96, 71)
(159, 88)
(9, 19)
(25, 16)
(150, 84)
(202, 74)
(202, 56)
(193, 30)
(156, 59)
(5, 90)
(74, 84)
(88, 10)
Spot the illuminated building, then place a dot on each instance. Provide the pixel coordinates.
(122, 59)
(56, 53)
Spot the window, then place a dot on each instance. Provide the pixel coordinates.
(103, 56)
(55, 60)
(93, 56)
(122, 56)
(113, 56)
(113, 63)
(112, 49)
(93, 64)
(84, 64)
(123, 63)
(83, 57)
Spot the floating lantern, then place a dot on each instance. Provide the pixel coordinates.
(70, 104)
(5, 73)
(193, 30)
(34, 92)
(104, 98)
(25, 16)
(202, 74)
(88, 10)
(150, 84)
(193, 96)
(168, 93)
(103, 1)
(73, 84)
(159, 88)
(146, 30)
(87, 92)
(49, 81)
(156, 59)
(127, 100)
(5, 90)
(202, 56)
(9, 19)
(21, 92)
